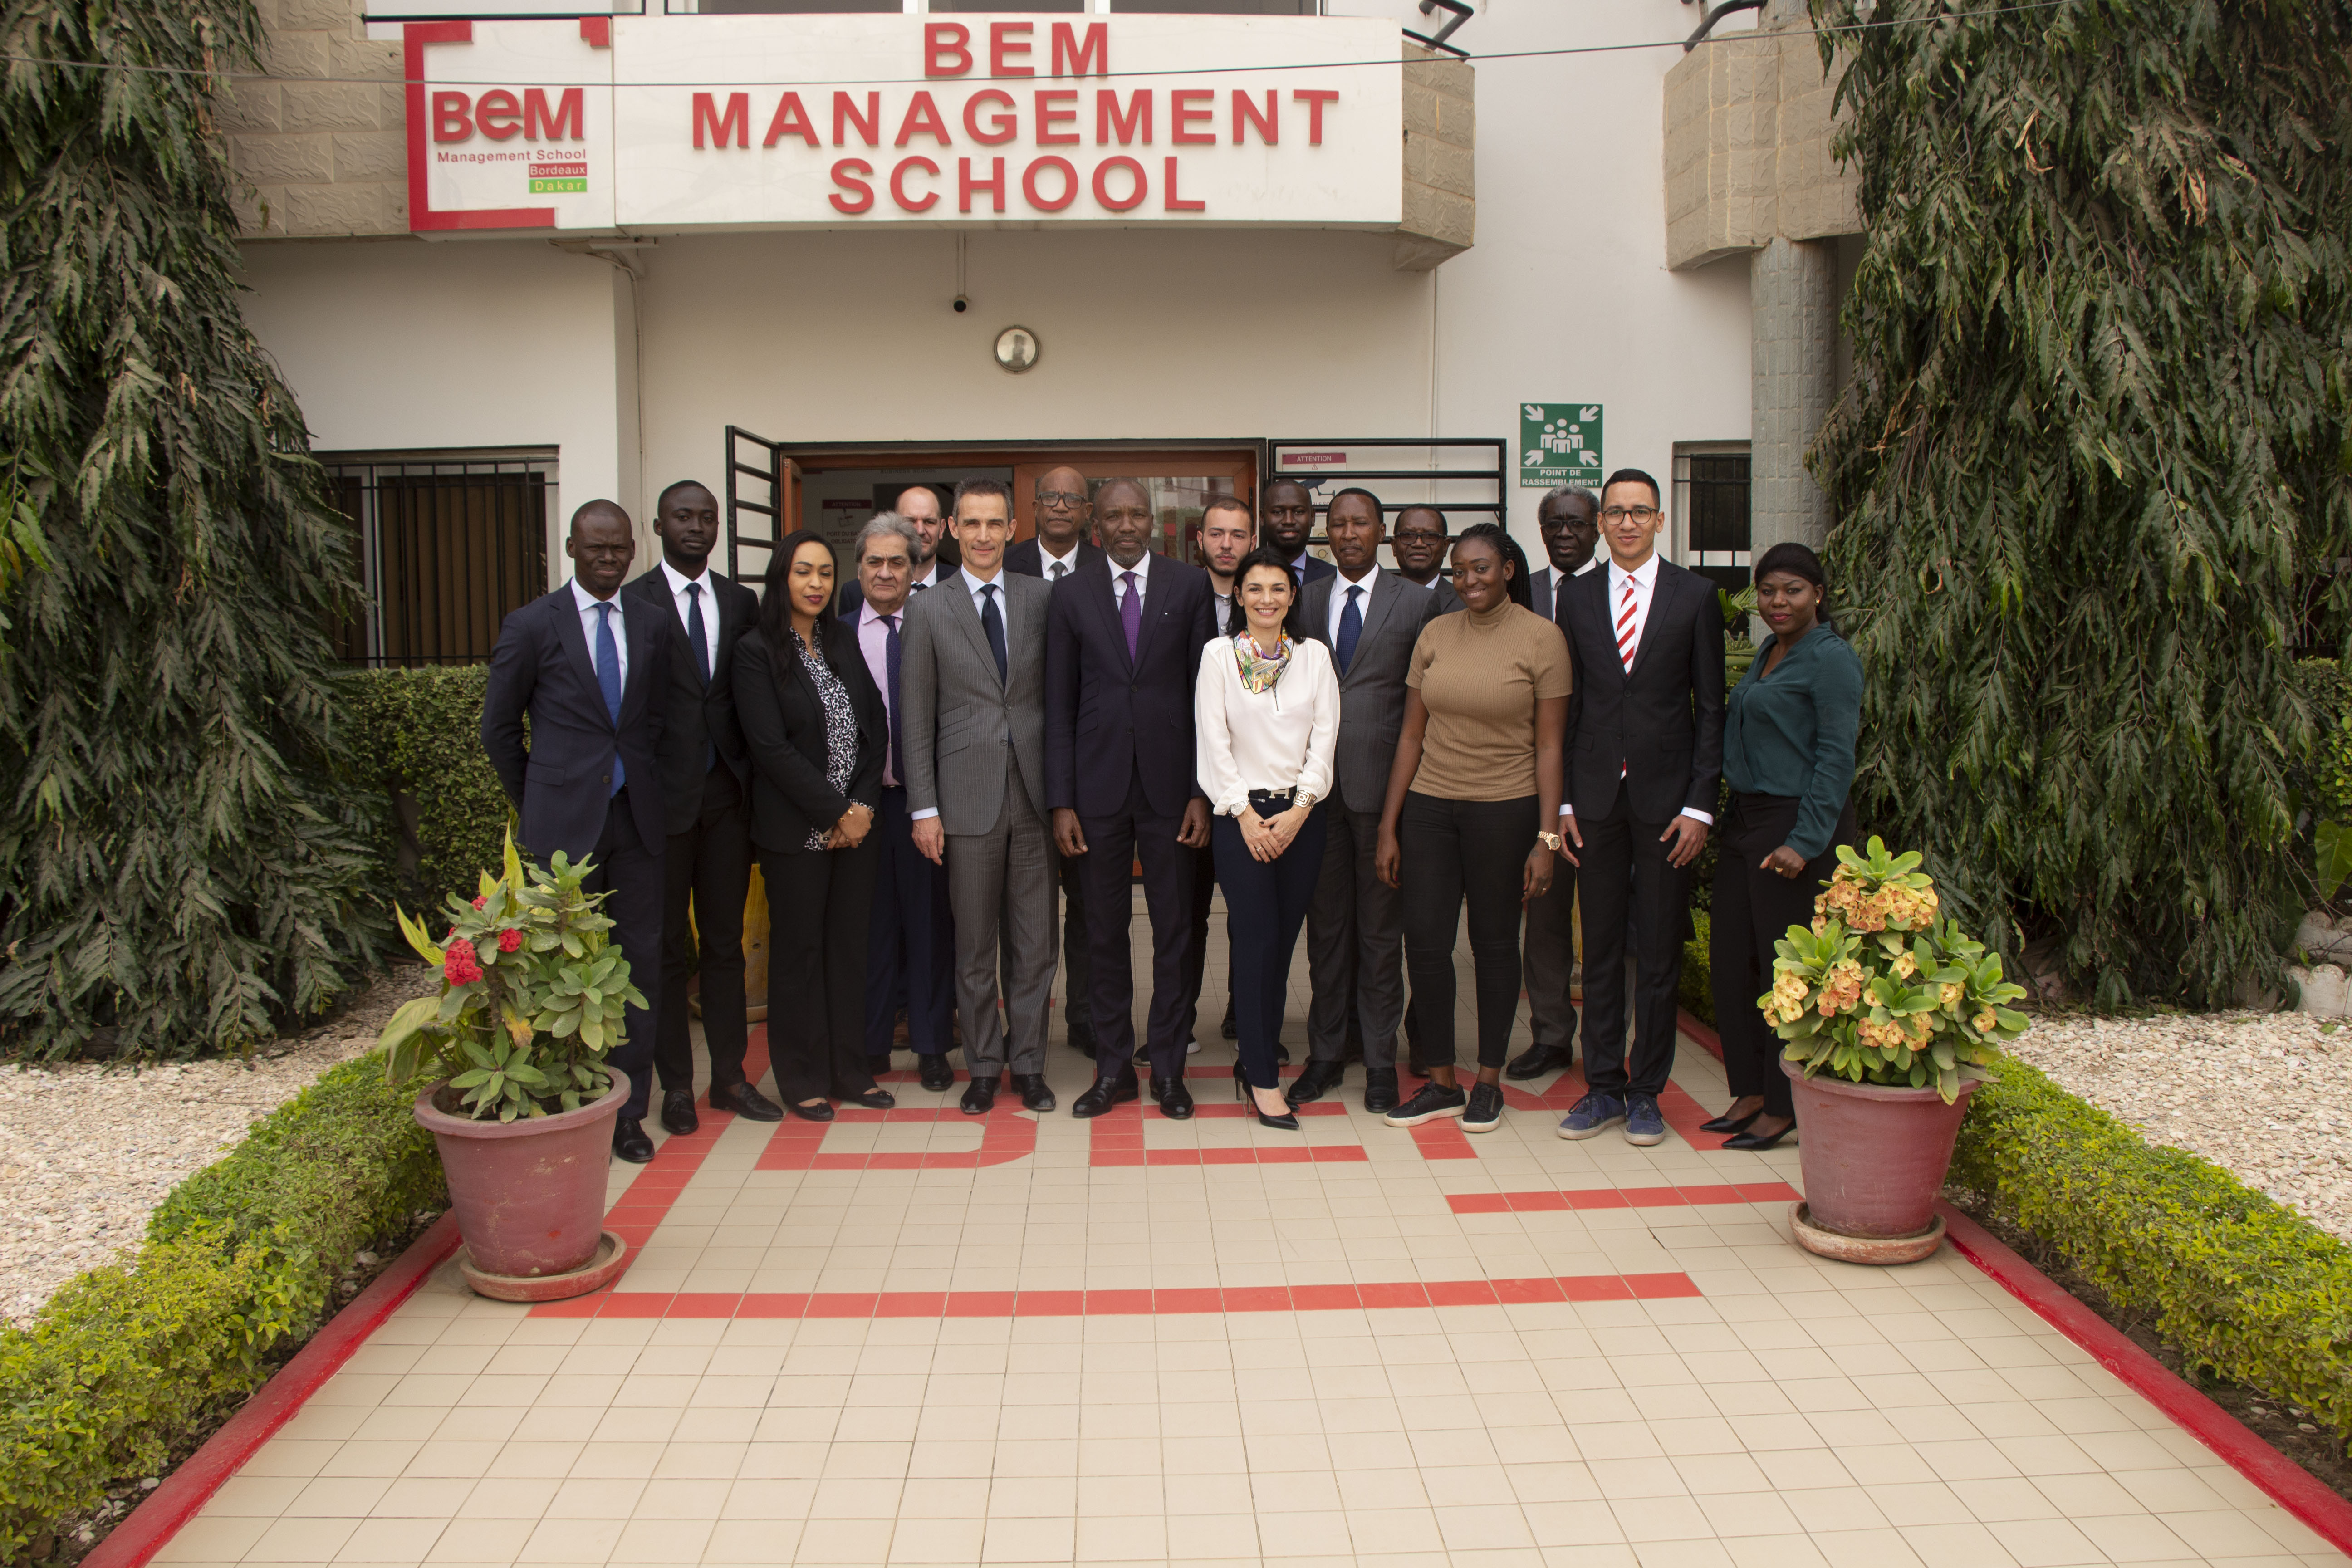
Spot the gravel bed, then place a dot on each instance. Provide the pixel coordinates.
(2267, 1096)
(86, 1150)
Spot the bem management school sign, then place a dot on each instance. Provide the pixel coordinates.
(717, 121)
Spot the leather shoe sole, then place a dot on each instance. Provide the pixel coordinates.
(746, 1102)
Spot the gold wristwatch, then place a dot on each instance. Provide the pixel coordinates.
(1551, 841)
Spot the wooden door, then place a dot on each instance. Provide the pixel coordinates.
(1179, 484)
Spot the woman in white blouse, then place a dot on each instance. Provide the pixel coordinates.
(1266, 707)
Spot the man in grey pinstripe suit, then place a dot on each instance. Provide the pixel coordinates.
(974, 746)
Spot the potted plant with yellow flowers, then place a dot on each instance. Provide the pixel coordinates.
(1890, 1015)
(517, 1095)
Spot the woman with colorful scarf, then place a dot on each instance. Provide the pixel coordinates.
(1266, 711)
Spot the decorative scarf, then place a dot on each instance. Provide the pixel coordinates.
(1259, 672)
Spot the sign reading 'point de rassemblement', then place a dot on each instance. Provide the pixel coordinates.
(842, 122)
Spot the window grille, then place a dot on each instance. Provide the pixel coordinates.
(1711, 499)
(448, 543)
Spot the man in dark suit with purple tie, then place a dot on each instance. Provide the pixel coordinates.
(1123, 639)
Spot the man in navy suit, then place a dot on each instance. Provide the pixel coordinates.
(706, 804)
(1123, 641)
(1287, 509)
(589, 670)
(1645, 757)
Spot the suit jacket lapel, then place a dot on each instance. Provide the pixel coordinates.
(1662, 592)
(640, 629)
(1155, 604)
(967, 614)
(568, 631)
(1106, 602)
(1376, 616)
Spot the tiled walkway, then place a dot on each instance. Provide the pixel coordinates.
(920, 1339)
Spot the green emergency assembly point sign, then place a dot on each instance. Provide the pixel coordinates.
(1560, 443)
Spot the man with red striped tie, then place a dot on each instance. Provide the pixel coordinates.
(1645, 755)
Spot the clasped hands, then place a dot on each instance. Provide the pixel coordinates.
(851, 830)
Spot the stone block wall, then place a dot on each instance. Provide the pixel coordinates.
(1748, 132)
(320, 143)
(1441, 139)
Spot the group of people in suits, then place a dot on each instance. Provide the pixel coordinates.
(929, 756)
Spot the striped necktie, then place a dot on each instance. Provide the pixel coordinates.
(1629, 631)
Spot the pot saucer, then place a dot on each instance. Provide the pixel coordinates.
(1881, 1250)
(611, 1257)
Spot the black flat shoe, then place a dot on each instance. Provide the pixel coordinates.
(1726, 1122)
(1175, 1102)
(1106, 1092)
(979, 1095)
(1035, 1095)
(868, 1098)
(630, 1142)
(678, 1111)
(820, 1112)
(1538, 1060)
(746, 1102)
(933, 1072)
(1759, 1141)
(1311, 1084)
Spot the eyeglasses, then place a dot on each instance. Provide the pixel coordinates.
(1060, 498)
(1617, 514)
(1420, 535)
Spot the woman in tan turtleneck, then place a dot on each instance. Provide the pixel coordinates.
(1473, 801)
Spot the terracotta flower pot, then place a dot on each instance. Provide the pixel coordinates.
(529, 1195)
(1873, 1158)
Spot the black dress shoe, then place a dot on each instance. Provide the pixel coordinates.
(868, 1098)
(934, 1071)
(1538, 1060)
(1726, 1122)
(1231, 1028)
(979, 1095)
(745, 1101)
(1312, 1083)
(678, 1111)
(1175, 1100)
(1380, 1092)
(1106, 1092)
(630, 1142)
(1035, 1095)
(820, 1110)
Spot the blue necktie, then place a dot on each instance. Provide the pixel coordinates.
(701, 641)
(1351, 627)
(890, 664)
(993, 624)
(608, 680)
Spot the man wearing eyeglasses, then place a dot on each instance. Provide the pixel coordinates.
(1420, 545)
(1065, 517)
(1644, 755)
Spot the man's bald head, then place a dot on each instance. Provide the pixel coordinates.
(601, 543)
(919, 504)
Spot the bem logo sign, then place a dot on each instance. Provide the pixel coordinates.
(846, 120)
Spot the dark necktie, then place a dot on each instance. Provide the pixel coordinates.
(890, 666)
(1131, 614)
(608, 681)
(701, 641)
(992, 624)
(1352, 627)
(1060, 569)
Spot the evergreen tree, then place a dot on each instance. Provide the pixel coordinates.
(2091, 477)
(178, 872)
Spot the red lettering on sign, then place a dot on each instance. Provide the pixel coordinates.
(869, 124)
(899, 186)
(966, 186)
(923, 120)
(858, 194)
(1314, 97)
(1002, 125)
(791, 120)
(943, 41)
(1102, 183)
(453, 117)
(1170, 200)
(1183, 113)
(1071, 58)
(496, 115)
(1002, 46)
(737, 120)
(538, 123)
(1245, 111)
(1136, 120)
(1051, 112)
(1069, 182)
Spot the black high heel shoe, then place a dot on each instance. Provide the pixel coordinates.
(1726, 1122)
(1242, 1090)
(1756, 1142)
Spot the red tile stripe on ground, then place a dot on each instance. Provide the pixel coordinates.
(1005, 1134)
(1622, 1197)
(1115, 1138)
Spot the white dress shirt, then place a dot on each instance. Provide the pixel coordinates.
(874, 642)
(1274, 740)
(1142, 570)
(589, 604)
(709, 602)
(1339, 587)
(930, 579)
(1047, 562)
(1645, 579)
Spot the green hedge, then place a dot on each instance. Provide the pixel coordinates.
(2249, 1290)
(126, 1365)
(1697, 992)
(417, 732)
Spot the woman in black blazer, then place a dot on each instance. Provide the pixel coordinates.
(817, 733)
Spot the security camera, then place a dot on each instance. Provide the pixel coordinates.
(961, 304)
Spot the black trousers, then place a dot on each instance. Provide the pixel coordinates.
(1622, 875)
(707, 869)
(1266, 903)
(1456, 850)
(1113, 845)
(1077, 970)
(631, 872)
(1754, 909)
(909, 939)
(820, 908)
(1355, 946)
(1196, 957)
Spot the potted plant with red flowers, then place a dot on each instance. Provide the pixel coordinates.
(517, 1094)
(1891, 1015)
